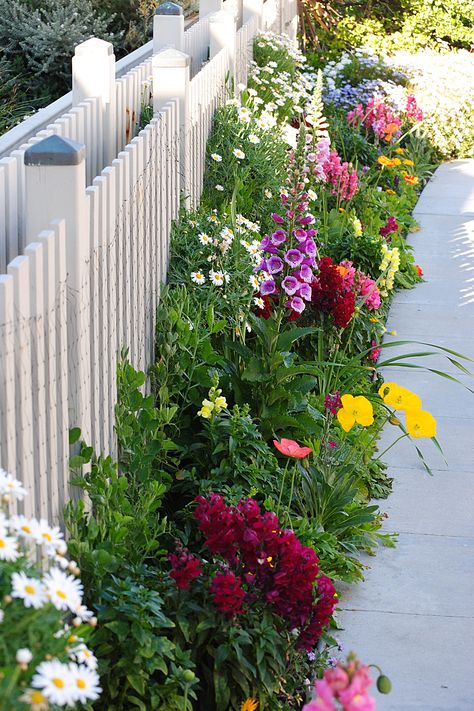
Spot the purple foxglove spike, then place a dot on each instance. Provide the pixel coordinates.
(311, 232)
(290, 214)
(274, 265)
(268, 287)
(305, 292)
(306, 220)
(277, 218)
(293, 257)
(310, 261)
(278, 237)
(296, 303)
(300, 234)
(291, 285)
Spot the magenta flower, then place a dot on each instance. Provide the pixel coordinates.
(304, 273)
(274, 265)
(310, 262)
(307, 220)
(293, 257)
(291, 285)
(268, 287)
(311, 232)
(277, 218)
(300, 234)
(309, 246)
(267, 246)
(290, 214)
(296, 303)
(279, 237)
(305, 291)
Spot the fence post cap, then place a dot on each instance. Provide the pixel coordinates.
(94, 45)
(55, 150)
(171, 57)
(169, 8)
(221, 16)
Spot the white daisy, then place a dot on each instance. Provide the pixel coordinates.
(86, 683)
(217, 278)
(47, 535)
(216, 157)
(259, 302)
(240, 155)
(253, 138)
(30, 590)
(9, 486)
(254, 281)
(8, 547)
(83, 655)
(23, 526)
(312, 195)
(56, 682)
(227, 233)
(36, 700)
(220, 188)
(198, 277)
(204, 238)
(244, 115)
(64, 591)
(213, 218)
(2, 615)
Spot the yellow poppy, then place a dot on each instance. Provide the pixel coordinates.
(249, 705)
(387, 162)
(399, 398)
(400, 151)
(397, 161)
(420, 423)
(355, 410)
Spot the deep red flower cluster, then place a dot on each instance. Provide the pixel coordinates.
(269, 560)
(322, 613)
(184, 567)
(332, 402)
(227, 593)
(391, 226)
(330, 293)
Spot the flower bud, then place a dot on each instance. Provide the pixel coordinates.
(384, 685)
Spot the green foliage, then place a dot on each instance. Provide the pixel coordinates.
(246, 182)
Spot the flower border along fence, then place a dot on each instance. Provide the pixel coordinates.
(81, 267)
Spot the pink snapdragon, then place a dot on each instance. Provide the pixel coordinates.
(412, 109)
(369, 292)
(341, 176)
(344, 687)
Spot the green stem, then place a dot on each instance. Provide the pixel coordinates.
(282, 486)
(392, 445)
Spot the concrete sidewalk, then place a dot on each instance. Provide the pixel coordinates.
(414, 614)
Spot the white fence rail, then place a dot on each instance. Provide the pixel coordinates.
(86, 207)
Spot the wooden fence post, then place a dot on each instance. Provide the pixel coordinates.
(208, 6)
(93, 75)
(222, 33)
(55, 189)
(171, 79)
(168, 27)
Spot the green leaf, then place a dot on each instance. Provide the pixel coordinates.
(74, 435)
(286, 338)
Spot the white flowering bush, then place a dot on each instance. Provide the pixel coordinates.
(44, 660)
(283, 91)
(444, 87)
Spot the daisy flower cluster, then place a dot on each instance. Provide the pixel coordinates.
(216, 248)
(281, 91)
(56, 669)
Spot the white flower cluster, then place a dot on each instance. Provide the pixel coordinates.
(217, 247)
(26, 540)
(282, 87)
(443, 84)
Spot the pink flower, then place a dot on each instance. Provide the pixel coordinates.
(337, 678)
(277, 218)
(375, 352)
(324, 699)
(305, 291)
(355, 697)
(369, 292)
(278, 237)
(291, 448)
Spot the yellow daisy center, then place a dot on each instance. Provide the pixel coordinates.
(26, 529)
(37, 697)
(2, 543)
(47, 536)
(81, 684)
(30, 589)
(61, 594)
(58, 683)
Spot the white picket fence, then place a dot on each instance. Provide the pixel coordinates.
(81, 267)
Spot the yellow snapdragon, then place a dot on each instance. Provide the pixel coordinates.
(213, 404)
(390, 264)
